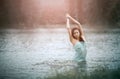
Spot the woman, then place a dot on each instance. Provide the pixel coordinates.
(77, 38)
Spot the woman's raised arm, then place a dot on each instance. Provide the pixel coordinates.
(79, 26)
(68, 28)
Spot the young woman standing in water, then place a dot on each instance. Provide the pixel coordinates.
(77, 38)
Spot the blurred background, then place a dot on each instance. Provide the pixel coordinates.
(34, 42)
(32, 13)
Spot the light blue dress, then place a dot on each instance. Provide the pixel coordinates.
(80, 51)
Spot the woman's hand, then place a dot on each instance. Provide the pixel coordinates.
(67, 15)
(71, 18)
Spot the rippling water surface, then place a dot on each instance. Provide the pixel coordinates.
(37, 53)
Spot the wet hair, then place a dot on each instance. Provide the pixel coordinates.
(72, 31)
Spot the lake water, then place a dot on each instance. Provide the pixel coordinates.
(38, 53)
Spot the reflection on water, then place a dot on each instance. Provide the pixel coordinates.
(45, 52)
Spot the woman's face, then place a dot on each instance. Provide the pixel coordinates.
(76, 34)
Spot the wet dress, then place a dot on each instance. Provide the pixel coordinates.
(80, 51)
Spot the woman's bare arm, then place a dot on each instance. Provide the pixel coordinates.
(68, 28)
(79, 26)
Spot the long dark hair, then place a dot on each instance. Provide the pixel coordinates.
(72, 31)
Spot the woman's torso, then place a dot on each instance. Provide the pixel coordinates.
(80, 51)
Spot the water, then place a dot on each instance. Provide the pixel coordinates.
(37, 53)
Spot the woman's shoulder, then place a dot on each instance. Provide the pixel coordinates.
(76, 42)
